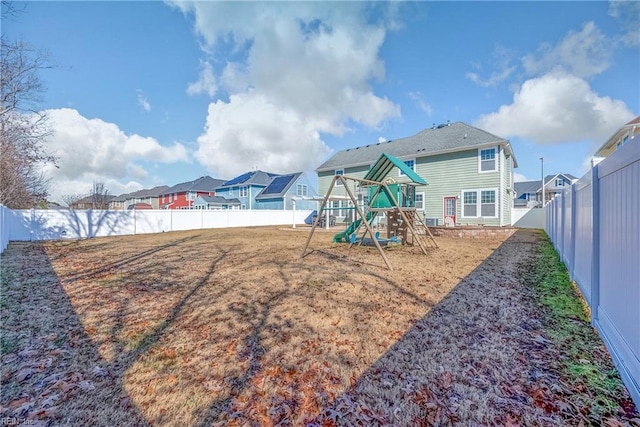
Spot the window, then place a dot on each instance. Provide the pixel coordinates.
(479, 203)
(412, 165)
(243, 206)
(191, 195)
(420, 201)
(488, 203)
(339, 172)
(488, 160)
(230, 191)
(470, 204)
(301, 190)
(243, 192)
(336, 212)
(559, 182)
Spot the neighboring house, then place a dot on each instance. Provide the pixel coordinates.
(92, 202)
(150, 197)
(626, 133)
(529, 194)
(469, 171)
(215, 203)
(265, 190)
(183, 195)
(117, 203)
(284, 190)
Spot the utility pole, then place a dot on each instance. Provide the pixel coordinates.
(542, 173)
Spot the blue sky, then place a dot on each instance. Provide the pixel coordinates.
(151, 93)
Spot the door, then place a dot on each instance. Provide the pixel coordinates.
(450, 211)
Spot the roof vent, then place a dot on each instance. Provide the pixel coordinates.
(434, 126)
(448, 124)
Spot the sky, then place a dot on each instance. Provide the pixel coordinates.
(153, 93)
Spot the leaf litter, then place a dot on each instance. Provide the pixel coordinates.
(231, 327)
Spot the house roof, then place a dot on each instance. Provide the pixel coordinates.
(526, 187)
(385, 164)
(452, 137)
(204, 183)
(534, 186)
(250, 178)
(631, 125)
(219, 200)
(150, 192)
(278, 186)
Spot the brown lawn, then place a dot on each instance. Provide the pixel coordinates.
(232, 327)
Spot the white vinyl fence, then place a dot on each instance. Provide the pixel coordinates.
(35, 224)
(595, 226)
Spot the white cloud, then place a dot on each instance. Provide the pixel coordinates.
(143, 102)
(94, 150)
(305, 68)
(585, 54)
(382, 139)
(518, 177)
(206, 83)
(501, 60)
(230, 147)
(628, 13)
(556, 108)
(418, 100)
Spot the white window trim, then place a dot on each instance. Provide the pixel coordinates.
(421, 193)
(495, 159)
(335, 173)
(479, 203)
(304, 189)
(243, 191)
(405, 162)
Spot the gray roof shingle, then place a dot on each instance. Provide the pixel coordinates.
(456, 136)
(204, 183)
(219, 200)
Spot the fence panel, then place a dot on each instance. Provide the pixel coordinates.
(583, 246)
(596, 230)
(25, 225)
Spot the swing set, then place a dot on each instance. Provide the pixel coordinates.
(396, 200)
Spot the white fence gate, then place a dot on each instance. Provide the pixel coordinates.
(35, 224)
(595, 226)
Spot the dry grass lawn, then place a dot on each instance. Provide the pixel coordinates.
(232, 327)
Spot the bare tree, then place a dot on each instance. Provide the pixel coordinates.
(99, 196)
(23, 129)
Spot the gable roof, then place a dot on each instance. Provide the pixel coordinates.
(250, 178)
(219, 200)
(278, 186)
(150, 192)
(526, 187)
(452, 137)
(385, 164)
(534, 186)
(204, 183)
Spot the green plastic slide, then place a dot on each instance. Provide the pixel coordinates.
(344, 236)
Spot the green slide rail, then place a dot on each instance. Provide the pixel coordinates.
(345, 236)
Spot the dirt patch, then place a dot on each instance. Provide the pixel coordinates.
(229, 327)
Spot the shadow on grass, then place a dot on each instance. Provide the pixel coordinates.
(51, 361)
(473, 359)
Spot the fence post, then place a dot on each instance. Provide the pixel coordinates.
(573, 231)
(595, 250)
